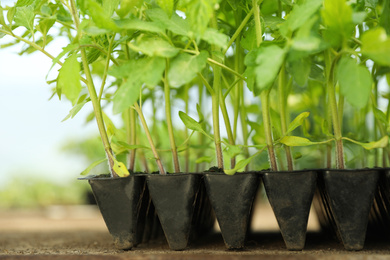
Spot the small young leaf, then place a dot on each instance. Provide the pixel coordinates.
(65, 50)
(93, 165)
(381, 143)
(68, 81)
(203, 159)
(239, 165)
(73, 112)
(132, 147)
(381, 116)
(190, 123)
(200, 114)
(298, 141)
(11, 14)
(298, 121)
(45, 25)
(355, 82)
(185, 67)
(337, 17)
(232, 150)
(376, 45)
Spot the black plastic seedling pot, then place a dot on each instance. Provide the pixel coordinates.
(231, 198)
(174, 197)
(290, 195)
(123, 203)
(346, 198)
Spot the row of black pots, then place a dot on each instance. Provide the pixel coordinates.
(186, 203)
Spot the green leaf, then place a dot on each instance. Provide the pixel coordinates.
(127, 94)
(24, 16)
(200, 114)
(214, 37)
(380, 115)
(2, 21)
(100, 16)
(203, 159)
(376, 46)
(156, 47)
(73, 112)
(337, 17)
(20, 3)
(300, 70)
(147, 70)
(384, 19)
(298, 121)
(175, 24)
(309, 43)
(190, 123)
(381, 143)
(135, 24)
(68, 81)
(239, 165)
(11, 14)
(45, 25)
(232, 150)
(248, 39)
(65, 50)
(299, 15)
(167, 6)
(298, 141)
(268, 61)
(109, 6)
(185, 68)
(127, 5)
(355, 82)
(93, 165)
(199, 13)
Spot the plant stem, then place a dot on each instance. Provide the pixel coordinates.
(227, 126)
(149, 137)
(168, 115)
(215, 101)
(187, 151)
(283, 114)
(264, 96)
(94, 98)
(335, 116)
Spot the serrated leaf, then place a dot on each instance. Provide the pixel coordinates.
(376, 46)
(24, 2)
(175, 24)
(147, 70)
(185, 67)
(355, 82)
(24, 16)
(93, 165)
(73, 112)
(11, 14)
(157, 47)
(381, 143)
(299, 15)
(127, 5)
(45, 25)
(127, 94)
(337, 17)
(65, 50)
(68, 81)
(298, 121)
(109, 6)
(100, 16)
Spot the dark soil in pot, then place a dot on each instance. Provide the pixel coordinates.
(231, 198)
(290, 195)
(122, 203)
(346, 198)
(174, 197)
